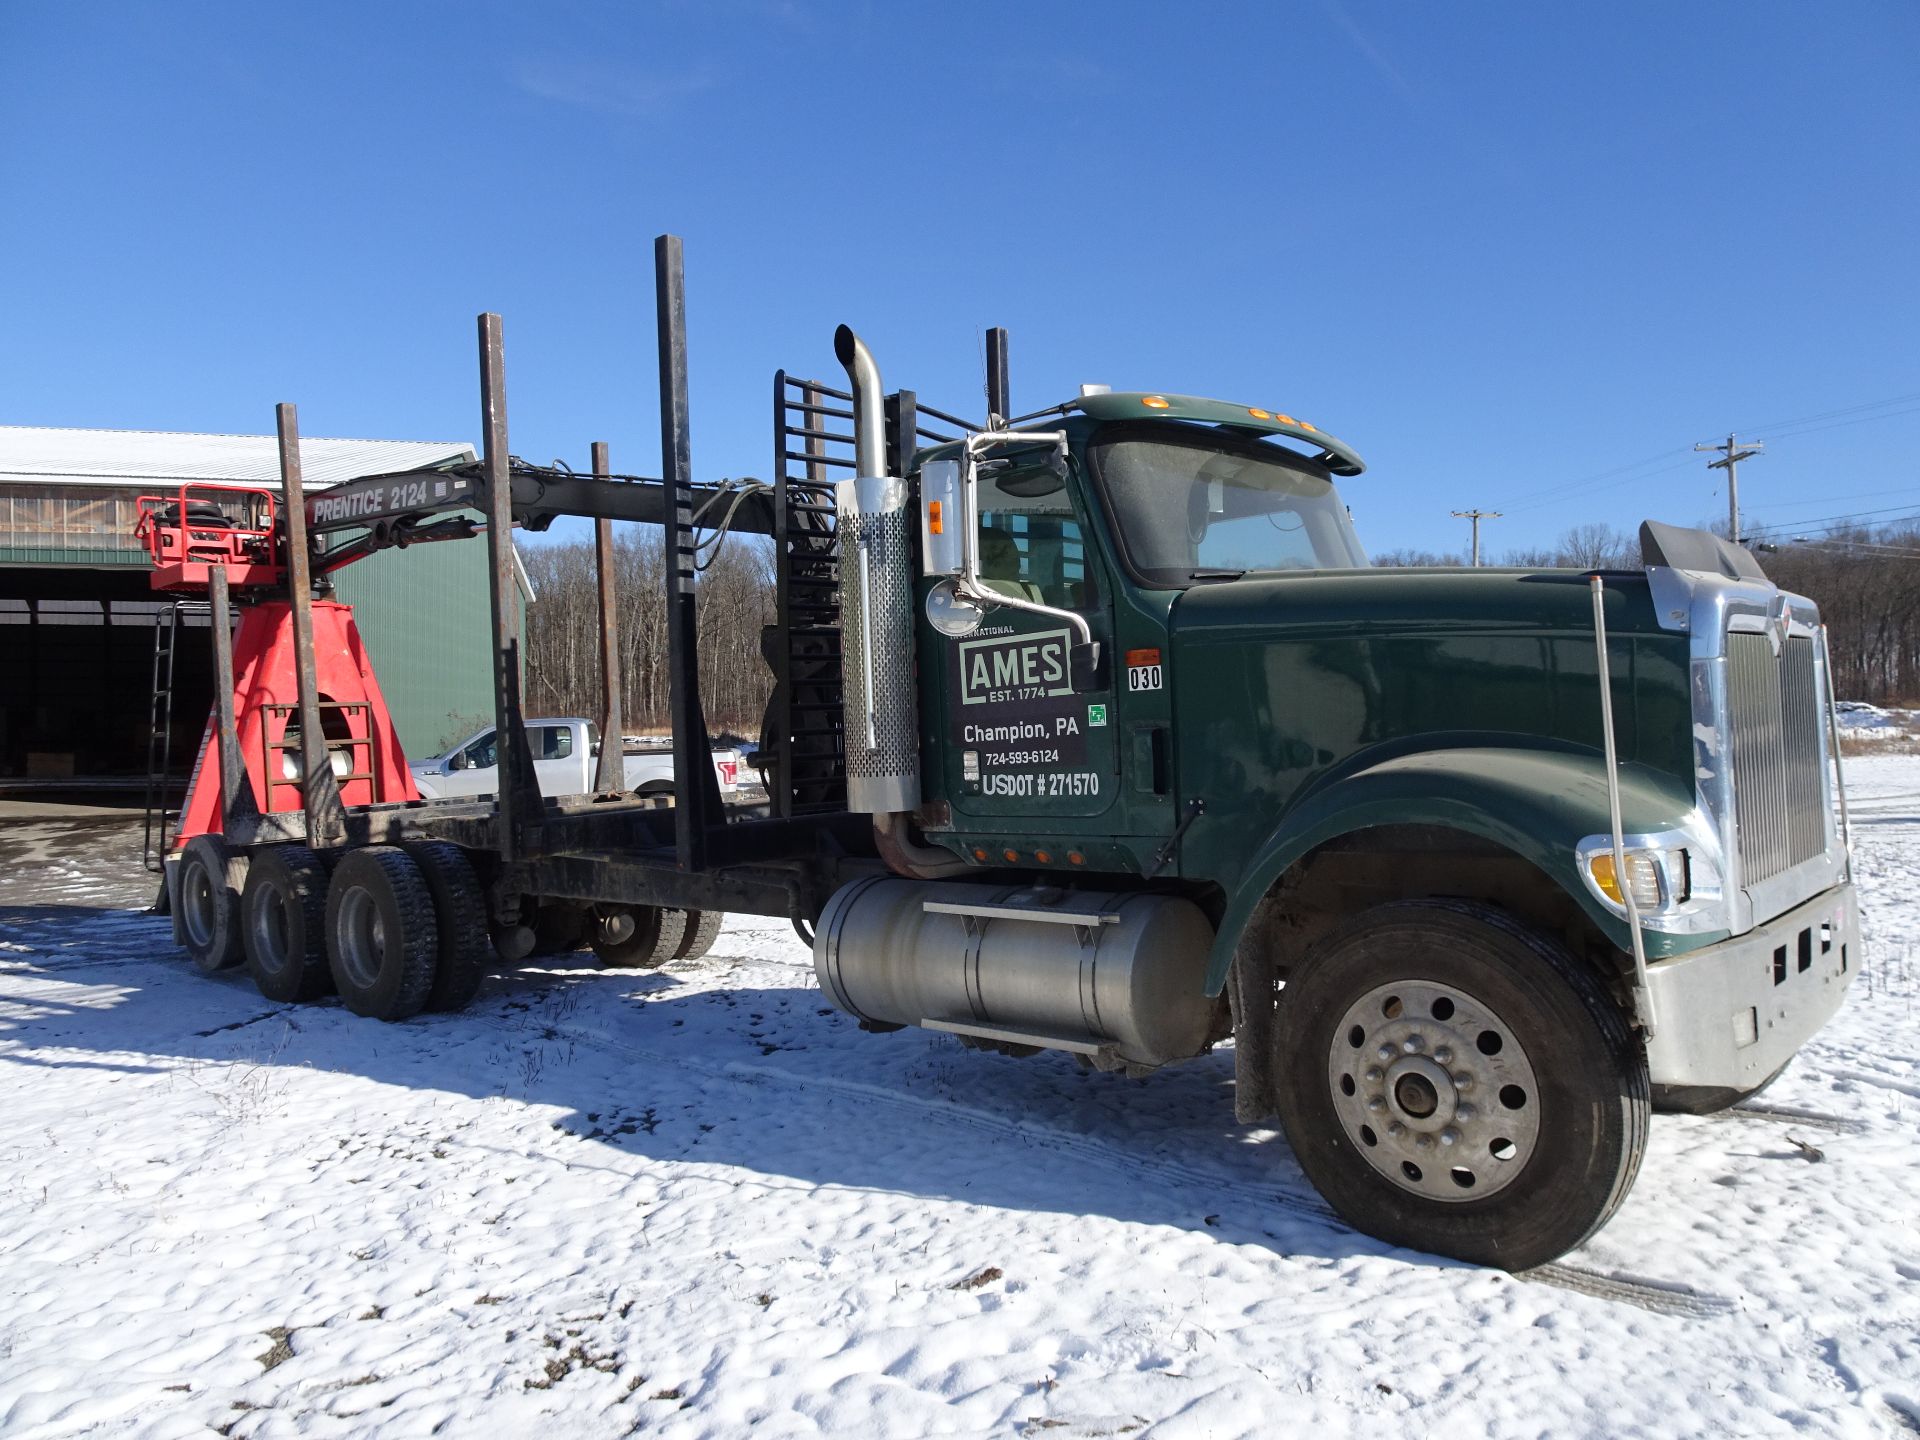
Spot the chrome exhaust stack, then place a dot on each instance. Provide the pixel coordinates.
(881, 732)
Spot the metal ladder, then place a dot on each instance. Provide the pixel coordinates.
(809, 773)
(166, 640)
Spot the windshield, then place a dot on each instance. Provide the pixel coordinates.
(1210, 506)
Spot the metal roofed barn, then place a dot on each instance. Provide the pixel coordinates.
(77, 617)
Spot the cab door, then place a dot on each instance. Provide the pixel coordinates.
(556, 767)
(1019, 749)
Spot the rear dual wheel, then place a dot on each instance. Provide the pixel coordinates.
(644, 937)
(394, 929)
(208, 884)
(1454, 1082)
(383, 940)
(283, 923)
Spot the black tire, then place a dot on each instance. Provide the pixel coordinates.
(382, 942)
(702, 928)
(1705, 1099)
(283, 923)
(1556, 1084)
(460, 916)
(208, 886)
(637, 937)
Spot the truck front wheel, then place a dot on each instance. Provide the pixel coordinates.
(1454, 1082)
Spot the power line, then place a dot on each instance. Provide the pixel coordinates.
(1874, 552)
(1777, 425)
(1779, 429)
(1900, 513)
(1773, 505)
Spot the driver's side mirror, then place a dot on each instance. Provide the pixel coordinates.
(458, 761)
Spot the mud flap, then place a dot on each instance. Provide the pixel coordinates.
(1251, 991)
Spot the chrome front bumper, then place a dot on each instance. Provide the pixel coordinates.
(1732, 1014)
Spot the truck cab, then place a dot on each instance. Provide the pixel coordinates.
(1472, 865)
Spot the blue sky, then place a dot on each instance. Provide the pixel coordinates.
(1519, 256)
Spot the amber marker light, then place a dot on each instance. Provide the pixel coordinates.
(1154, 402)
(1258, 414)
(1044, 857)
(1285, 419)
(1010, 855)
(1074, 857)
(978, 853)
(933, 517)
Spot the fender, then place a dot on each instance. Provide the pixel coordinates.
(1537, 803)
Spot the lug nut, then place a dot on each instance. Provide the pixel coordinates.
(1375, 1074)
(1449, 1136)
(1387, 1052)
(1443, 1055)
(1424, 1142)
(1396, 1129)
(1463, 1082)
(1465, 1112)
(1376, 1105)
(1413, 1045)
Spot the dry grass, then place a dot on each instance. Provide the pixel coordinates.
(1869, 743)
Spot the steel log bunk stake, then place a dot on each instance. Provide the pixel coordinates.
(236, 794)
(696, 789)
(319, 792)
(519, 799)
(611, 774)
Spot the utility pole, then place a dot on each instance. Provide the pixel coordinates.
(1731, 454)
(1476, 516)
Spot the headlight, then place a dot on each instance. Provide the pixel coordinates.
(1658, 879)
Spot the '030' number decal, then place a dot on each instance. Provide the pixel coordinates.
(1144, 677)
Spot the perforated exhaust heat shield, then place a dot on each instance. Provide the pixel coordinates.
(876, 625)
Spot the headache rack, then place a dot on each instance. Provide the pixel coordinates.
(802, 749)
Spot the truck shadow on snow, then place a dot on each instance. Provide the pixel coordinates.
(766, 1083)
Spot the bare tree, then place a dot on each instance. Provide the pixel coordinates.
(1598, 546)
(734, 599)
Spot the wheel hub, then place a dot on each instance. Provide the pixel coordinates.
(197, 902)
(1434, 1090)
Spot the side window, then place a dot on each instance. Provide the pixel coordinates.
(552, 742)
(480, 754)
(1031, 543)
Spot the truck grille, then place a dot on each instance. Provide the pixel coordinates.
(1779, 788)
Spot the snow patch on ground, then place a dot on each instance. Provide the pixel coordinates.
(700, 1202)
(1859, 720)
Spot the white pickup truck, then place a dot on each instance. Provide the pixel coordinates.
(566, 751)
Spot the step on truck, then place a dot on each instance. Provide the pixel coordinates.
(1092, 732)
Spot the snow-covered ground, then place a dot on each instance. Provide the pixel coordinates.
(701, 1203)
(1861, 721)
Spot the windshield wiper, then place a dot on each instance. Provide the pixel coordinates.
(1215, 574)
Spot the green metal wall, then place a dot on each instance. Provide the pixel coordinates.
(423, 612)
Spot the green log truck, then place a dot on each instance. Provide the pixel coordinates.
(1092, 731)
